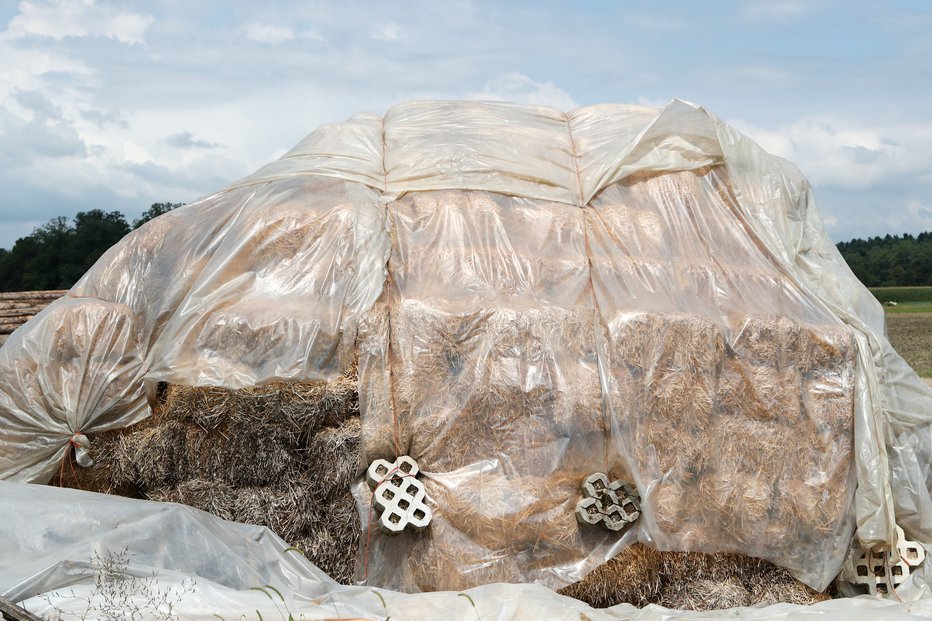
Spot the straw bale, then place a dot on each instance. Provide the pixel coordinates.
(663, 450)
(770, 341)
(206, 406)
(633, 577)
(278, 235)
(635, 340)
(774, 588)
(738, 503)
(815, 496)
(159, 454)
(333, 452)
(706, 595)
(381, 437)
(826, 347)
(689, 580)
(310, 405)
(488, 380)
(249, 334)
(445, 440)
(671, 504)
(829, 400)
(109, 474)
(508, 515)
(748, 445)
(328, 548)
(290, 509)
(241, 455)
(693, 343)
(680, 396)
(686, 567)
(441, 559)
(759, 392)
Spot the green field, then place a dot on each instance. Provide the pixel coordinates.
(903, 295)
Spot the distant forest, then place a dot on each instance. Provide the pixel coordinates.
(890, 261)
(58, 253)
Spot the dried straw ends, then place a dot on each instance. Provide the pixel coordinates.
(633, 577)
(640, 575)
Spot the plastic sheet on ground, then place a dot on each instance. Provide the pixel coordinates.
(206, 567)
(532, 295)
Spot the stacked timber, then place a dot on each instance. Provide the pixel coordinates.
(18, 307)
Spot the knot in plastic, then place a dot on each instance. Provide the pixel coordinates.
(82, 447)
(398, 495)
(614, 505)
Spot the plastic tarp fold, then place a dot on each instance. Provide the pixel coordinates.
(541, 245)
(207, 567)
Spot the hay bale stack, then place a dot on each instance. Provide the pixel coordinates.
(736, 431)
(281, 455)
(492, 402)
(640, 575)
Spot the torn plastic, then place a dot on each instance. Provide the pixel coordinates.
(209, 568)
(532, 296)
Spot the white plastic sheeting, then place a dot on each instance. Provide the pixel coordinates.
(486, 216)
(207, 567)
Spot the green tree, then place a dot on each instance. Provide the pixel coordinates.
(156, 210)
(891, 260)
(57, 253)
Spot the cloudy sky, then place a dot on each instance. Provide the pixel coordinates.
(117, 105)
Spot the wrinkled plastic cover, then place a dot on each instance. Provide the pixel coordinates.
(209, 568)
(584, 265)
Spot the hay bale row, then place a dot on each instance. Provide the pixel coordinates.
(282, 455)
(683, 216)
(505, 375)
(743, 443)
(503, 406)
(640, 575)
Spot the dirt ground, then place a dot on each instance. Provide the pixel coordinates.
(911, 336)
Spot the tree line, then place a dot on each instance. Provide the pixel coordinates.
(58, 253)
(892, 260)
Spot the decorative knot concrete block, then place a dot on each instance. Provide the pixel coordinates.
(398, 496)
(615, 504)
(883, 571)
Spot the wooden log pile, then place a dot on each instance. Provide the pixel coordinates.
(18, 307)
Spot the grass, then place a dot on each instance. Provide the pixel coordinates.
(909, 307)
(903, 295)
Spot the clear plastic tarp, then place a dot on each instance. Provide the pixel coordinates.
(91, 556)
(531, 296)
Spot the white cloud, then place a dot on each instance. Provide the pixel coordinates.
(387, 32)
(267, 33)
(849, 154)
(522, 89)
(921, 214)
(59, 19)
(186, 140)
